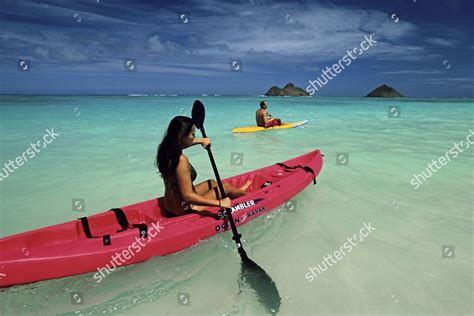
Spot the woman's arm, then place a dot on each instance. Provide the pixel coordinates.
(203, 141)
(185, 185)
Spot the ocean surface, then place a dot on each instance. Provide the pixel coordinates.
(418, 260)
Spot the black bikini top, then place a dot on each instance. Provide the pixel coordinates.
(193, 174)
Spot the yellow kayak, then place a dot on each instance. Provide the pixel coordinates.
(252, 129)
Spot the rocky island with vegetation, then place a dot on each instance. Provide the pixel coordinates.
(288, 90)
(385, 91)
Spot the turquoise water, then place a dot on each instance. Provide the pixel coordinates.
(104, 154)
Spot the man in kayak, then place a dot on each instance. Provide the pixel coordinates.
(265, 119)
(181, 196)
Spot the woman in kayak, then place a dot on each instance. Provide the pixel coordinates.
(181, 196)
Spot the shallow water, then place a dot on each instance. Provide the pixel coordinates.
(105, 152)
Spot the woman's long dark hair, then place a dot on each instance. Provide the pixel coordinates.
(169, 151)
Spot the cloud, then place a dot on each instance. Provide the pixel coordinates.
(42, 52)
(311, 68)
(316, 31)
(450, 81)
(260, 34)
(72, 54)
(245, 29)
(157, 46)
(410, 72)
(441, 42)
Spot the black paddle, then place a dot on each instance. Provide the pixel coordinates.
(251, 272)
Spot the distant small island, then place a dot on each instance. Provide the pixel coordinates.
(385, 91)
(288, 90)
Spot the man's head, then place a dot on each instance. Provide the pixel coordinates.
(263, 104)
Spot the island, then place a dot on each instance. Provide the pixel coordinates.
(385, 91)
(288, 90)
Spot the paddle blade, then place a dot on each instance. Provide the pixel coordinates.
(261, 283)
(198, 113)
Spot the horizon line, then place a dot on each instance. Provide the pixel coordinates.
(218, 95)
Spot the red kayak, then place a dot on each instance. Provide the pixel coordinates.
(100, 243)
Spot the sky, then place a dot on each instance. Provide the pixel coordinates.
(422, 48)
